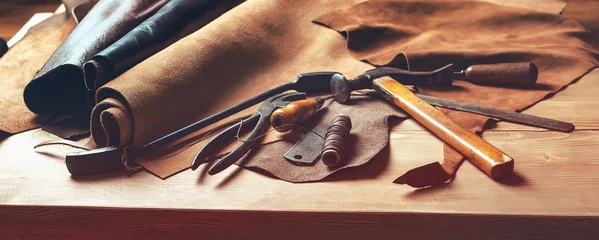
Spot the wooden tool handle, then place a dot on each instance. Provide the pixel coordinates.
(296, 112)
(522, 73)
(485, 156)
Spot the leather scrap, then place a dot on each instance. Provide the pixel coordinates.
(467, 33)
(20, 64)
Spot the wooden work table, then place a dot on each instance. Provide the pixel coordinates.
(554, 193)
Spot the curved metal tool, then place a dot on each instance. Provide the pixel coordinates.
(260, 120)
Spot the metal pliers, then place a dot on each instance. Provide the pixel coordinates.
(260, 119)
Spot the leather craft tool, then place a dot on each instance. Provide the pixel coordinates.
(260, 120)
(341, 89)
(283, 119)
(335, 142)
(519, 74)
(485, 156)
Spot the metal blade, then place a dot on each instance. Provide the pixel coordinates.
(504, 115)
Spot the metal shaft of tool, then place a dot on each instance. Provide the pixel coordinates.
(508, 116)
(214, 118)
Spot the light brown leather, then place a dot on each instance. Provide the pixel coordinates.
(20, 64)
(467, 33)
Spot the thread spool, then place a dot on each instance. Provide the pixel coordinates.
(336, 139)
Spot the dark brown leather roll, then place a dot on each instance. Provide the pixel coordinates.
(59, 87)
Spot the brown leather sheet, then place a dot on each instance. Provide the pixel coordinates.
(20, 64)
(467, 33)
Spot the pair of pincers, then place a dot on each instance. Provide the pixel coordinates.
(260, 120)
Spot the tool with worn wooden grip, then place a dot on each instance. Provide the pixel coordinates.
(485, 156)
(284, 119)
(520, 74)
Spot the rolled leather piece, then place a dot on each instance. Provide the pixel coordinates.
(59, 86)
(252, 48)
(175, 20)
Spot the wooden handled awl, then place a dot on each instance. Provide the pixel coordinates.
(485, 156)
(284, 119)
(520, 73)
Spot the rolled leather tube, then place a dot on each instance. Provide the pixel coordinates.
(174, 20)
(252, 48)
(59, 86)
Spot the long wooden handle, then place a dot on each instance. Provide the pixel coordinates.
(521, 73)
(485, 156)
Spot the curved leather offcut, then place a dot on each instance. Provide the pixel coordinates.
(59, 86)
(175, 20)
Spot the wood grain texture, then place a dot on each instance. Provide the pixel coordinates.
(79, 223)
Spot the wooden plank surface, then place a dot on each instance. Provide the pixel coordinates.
(556, 176)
